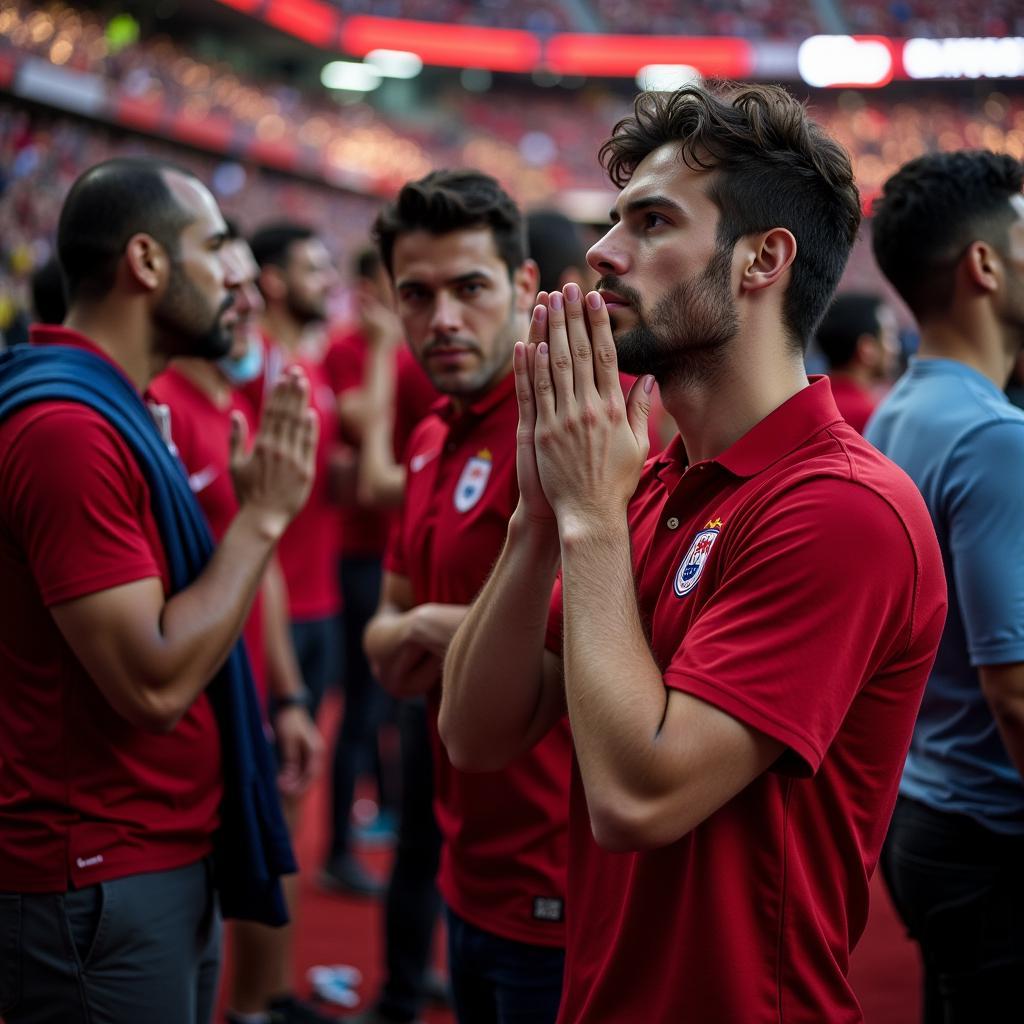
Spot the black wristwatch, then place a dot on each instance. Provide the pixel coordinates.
(300, 699)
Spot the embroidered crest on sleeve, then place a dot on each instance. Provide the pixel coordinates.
(473, 480)
(693, 564)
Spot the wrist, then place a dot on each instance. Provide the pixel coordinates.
(264, 525)
(576, 529)
(287, 701)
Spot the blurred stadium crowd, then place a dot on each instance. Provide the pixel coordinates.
(540, 143)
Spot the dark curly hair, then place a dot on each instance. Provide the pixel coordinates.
(930, 210)
(774, 168)
(452, 200)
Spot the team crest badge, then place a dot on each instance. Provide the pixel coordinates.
(473, 480)
(693, 564)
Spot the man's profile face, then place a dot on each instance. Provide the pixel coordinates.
(461, 311)
(248, 299)
(196, 307)
(666, 281)
(309, 276)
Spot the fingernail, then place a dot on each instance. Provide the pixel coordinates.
(572, 293)
(542, 348)
(555, 299)
(540, 314)
(648, 385)
(594, 300)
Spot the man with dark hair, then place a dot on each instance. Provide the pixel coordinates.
(859, 341)
(135, 771)
(735, 775)
(296, 278)
(455, 247)
(948, 231)
(202, 397)
(371, 348)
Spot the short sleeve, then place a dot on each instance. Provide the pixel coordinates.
(812, 600)
(984, 510)
(74, 502)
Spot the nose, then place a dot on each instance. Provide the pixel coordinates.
(446, 317)
(233, 271)
(606, 256)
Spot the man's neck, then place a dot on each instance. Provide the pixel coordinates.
(207, 378)
(757, 375)
(282, 328)
(977, 342)
(123, 333)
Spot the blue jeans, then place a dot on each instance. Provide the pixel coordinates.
(499, 981)
(959, 889)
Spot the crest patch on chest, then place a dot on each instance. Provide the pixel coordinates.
(690, 570)
(473, 480)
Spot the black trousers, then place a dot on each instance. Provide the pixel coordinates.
(367, 706)
(413, 903)
(959, 889)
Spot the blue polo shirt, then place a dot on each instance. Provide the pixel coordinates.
(962, 442)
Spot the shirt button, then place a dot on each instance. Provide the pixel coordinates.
(672, 523)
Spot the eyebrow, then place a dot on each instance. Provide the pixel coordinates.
(472, 275)
(638, 205)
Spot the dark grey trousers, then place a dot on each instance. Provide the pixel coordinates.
(141, 948)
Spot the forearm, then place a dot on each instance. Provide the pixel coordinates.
(381, 478)
(385, 638)
(284, 677)
(614, 690)
(493, 703)
(1003, 687)
(201, 623)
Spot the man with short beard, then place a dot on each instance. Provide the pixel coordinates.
(296, 278)
(742, 627)
(454, 246)
(202, 397)
(134, 774)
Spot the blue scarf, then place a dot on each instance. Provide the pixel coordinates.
(251, 847)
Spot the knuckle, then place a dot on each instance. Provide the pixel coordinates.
(562, 361)
(581, 351)
(589, 415)
(606, 355)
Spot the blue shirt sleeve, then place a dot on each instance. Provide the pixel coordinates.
(985, 510)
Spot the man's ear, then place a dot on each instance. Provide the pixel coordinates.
(982, 266)
(525, 279)
(868, 351)
(147, 262)
(765, 258)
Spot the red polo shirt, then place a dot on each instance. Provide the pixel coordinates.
(201, 431)
(795, 583)
(308, 550)
(503, 860)
(84, 796)
(364, 531)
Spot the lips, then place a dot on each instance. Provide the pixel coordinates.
(612, 300)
